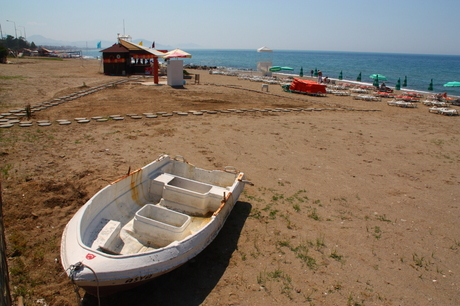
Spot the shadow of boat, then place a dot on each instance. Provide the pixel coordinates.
(191, 283)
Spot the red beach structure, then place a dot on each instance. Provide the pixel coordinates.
(306, 86)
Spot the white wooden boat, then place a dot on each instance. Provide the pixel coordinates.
(147, 223)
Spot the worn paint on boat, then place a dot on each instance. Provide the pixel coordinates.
(147, 223)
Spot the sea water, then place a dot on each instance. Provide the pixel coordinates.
(418, 68)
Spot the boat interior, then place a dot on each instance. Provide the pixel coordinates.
(154, 207)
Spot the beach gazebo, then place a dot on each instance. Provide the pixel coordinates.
(126, 58)
(116, 60)
(143, 59)
(264, 61)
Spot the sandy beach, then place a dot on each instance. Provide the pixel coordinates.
(354, 202)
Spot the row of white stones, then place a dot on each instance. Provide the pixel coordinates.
(17, 114)
(7, 123)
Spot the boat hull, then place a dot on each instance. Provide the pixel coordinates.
(103, 267)
(112, 289)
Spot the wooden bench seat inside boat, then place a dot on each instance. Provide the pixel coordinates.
(185, 195)
(107, 236)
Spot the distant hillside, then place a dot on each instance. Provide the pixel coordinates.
(40, 40)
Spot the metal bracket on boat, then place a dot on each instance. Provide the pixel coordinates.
(179, 157)
(77, 267)
(247, 182)
(240, 178)
(161, 156)
(230, 169)
(125, 176)
(223, 203)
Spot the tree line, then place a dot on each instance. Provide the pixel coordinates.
(11, 46)
(12, 43)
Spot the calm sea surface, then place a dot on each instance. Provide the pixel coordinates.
(418, 68)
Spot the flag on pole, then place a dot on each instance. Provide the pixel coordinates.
(98, 45)
(153, 45)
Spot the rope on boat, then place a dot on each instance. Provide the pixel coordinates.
(75, 268)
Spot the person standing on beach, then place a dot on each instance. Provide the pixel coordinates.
(311, 73)
(320, 76)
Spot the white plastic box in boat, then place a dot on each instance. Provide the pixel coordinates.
(147, 224)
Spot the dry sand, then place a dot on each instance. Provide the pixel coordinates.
(348, 207)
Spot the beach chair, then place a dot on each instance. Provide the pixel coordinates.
(448, 111)
(408, 104)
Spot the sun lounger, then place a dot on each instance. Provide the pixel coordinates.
(439, 104)
(402, 104)
(407, 104)
(444, 111)
(339, 92)
(448, 111)
(393, 102)
(358, 90)
(369, 98)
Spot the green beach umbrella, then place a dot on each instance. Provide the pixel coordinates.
(430, 87)
(398, 84)
(301, 72)
(316, 73)
(376, 81)
(340, 75)
(287, 68)
(378, 76)
(452, 84)
(405, 82)
(359, 77)
(274, 68)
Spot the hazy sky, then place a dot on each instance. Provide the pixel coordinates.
(396, 26)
